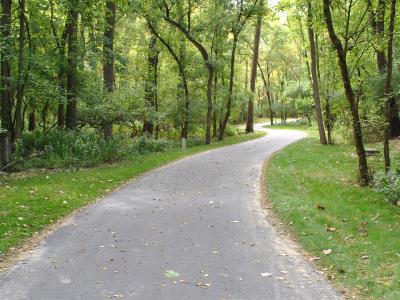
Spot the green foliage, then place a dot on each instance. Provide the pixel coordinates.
(76, 149)
(388, 184)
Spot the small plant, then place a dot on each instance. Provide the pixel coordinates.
(388, 183)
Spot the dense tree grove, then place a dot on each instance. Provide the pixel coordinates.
(182, 69)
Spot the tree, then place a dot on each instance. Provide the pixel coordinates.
(108, 53)
(72, 79)
(6, 100)
(206, 58)
(350, 95)
(151, 85)
(253, 77)
(314, 81)
(241, 19)
(388, 83)
(20, 76)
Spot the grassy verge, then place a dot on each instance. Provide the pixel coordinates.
(30, 204)
(313, 190)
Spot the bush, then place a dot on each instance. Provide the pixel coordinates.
(388, 183)
(75, 149)
(230, 131)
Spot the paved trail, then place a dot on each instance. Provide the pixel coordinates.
(199, 217)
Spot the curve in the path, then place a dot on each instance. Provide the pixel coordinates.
(199, 217)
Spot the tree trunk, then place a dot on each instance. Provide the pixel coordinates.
(32, 121)
(250, 107)
(329, 125)
(4, 149)
(20, 83)
(151, 85)
(271, 112)
(61, 77)
(72, 81)
(388, 83)
(215, 133)
(209, 104)
(5, 93)
(108, 57)
(314, 75)
(230, 90)
(342, 61)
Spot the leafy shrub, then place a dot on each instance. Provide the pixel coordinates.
(146, 144)
(388, 183)
(84, 148)
(230, 131)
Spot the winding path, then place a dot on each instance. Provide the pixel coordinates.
(200, 217)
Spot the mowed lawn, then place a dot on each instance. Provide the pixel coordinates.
(313, 190)
(29, 203)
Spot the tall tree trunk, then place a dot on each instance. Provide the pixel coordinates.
(388, 83)
(32, 121)
(61, 77)
(314, 75)
(72, 81)
(215, 133)
(230, 90)
(108, 57)
(342, 61)
(250, 107)
(209, 104)
(151, 85)
(20, 84)
(5, 93)
(329, 121)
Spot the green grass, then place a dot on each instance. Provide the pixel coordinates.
(30, 204)
(366, 242)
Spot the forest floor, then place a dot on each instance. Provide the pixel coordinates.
(31, 201)
(352, 233)
(194, 229)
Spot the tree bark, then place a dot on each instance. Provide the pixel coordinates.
(5, 93)
(32, 121)
(342, 61)
(72, 81)
(61, 78)
(21, 61)
(4, 149)
(388, 83)
(151, 84)
(253, 78)
(314, 76)
(215, 133)
(230, 90)
(108, 57)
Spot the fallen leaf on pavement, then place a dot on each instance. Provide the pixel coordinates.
(203, 285)
(171, 274)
